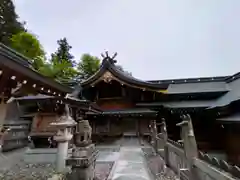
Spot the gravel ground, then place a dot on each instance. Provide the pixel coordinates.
(12, 167)
(103, 170)
(24, 171)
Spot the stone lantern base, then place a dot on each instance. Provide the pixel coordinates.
(83, 162)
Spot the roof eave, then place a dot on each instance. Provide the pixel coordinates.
(9, 61)
(107, 66)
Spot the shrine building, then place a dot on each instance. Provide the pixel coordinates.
(129, 105)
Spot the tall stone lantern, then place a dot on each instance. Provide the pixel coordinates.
(64, 126)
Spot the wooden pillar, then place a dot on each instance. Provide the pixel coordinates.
(4, 78)
(97, 95)
(123, 91)
(137, 127)
(142, 97)
(109, 125)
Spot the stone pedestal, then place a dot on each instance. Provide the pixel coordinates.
(83, 162)
(84, 156)
(61, 155)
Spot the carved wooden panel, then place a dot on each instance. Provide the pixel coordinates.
(107, 77)
(41, 123)
(115, 104)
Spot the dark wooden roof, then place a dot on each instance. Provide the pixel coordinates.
(108, 65)
(226, 79)
(18, 63)
(137, 111)
(41, 97)
(191, 80)
(179, 104)
(82, 104)
(225, 88)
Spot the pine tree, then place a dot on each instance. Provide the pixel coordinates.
(61, 66)
(63, 53)
(9, 24)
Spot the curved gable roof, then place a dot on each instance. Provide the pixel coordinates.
(108, 68)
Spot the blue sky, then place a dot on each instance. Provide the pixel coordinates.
(155, 39)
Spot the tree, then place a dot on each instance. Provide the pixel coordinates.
(9, 24)
(28, 45)
(63, 53)
(61, 72)
(88, 66)
(62, 62)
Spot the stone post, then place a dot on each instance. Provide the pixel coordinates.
(189, 143)
(164, 136)
(154, 135)
(153, 132)
(84, 155)
(64, 134)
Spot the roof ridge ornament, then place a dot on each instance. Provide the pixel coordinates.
(106, 57)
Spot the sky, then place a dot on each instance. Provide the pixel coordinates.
(154, 39)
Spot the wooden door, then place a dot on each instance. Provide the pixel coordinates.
(129, 127)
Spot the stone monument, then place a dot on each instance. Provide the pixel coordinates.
(84, 155)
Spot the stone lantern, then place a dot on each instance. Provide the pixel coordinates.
(83, 133)
(64, 126)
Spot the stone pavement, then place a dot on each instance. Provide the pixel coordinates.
(130, 165)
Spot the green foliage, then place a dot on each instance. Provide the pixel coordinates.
(56, 68)
(63, 53)
(88, 66)
(9, 24)
(58, 71)
(28, 45)
(61, 65)
(39, 62)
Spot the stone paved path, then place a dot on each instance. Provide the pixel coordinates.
(130, 165)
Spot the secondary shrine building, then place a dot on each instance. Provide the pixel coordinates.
(129, 105)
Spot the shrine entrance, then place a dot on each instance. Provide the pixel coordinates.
(129, 127)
